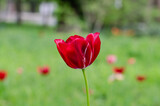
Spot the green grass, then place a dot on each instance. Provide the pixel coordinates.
(30, 47)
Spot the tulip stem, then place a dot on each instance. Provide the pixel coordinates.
(87, 90)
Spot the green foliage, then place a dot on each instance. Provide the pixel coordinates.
(132, 11)
(100, 13)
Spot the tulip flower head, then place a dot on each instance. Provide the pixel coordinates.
(111, 59)
(141, 78)
(3, 75)
(79, 52)
(44, 70)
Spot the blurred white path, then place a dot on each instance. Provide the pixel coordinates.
(34, 18)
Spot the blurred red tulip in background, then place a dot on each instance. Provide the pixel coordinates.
(141, 78)
(119, 70)
(3, 75)
(44, 70)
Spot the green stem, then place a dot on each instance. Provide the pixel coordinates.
(87, 90)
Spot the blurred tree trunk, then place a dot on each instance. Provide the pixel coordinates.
(156, 3)
(0, 4)
(76, 5)
(19, 10)
(33, 5)
(61, 23)
(61, 19)
(0, 10)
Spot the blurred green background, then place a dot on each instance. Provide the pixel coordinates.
(129, 28)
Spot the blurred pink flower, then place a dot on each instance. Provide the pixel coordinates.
(111, 59)
(44, 70)
(20, 70)
(131, 60)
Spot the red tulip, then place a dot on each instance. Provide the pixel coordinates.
(141, 78)
(44, 70)
(118, 70)
(3, 75)
(79, 52)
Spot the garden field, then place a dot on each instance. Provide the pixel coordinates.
(29, 47)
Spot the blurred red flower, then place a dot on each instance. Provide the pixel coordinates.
(3, 75)
(79, 52)
(141, 78)
(44, 70)
(111, 59)
(118, 70)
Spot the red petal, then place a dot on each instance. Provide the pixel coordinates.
(72, 38)
(87, 53)
(61, 46)
(83, 51)
(95, 43)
